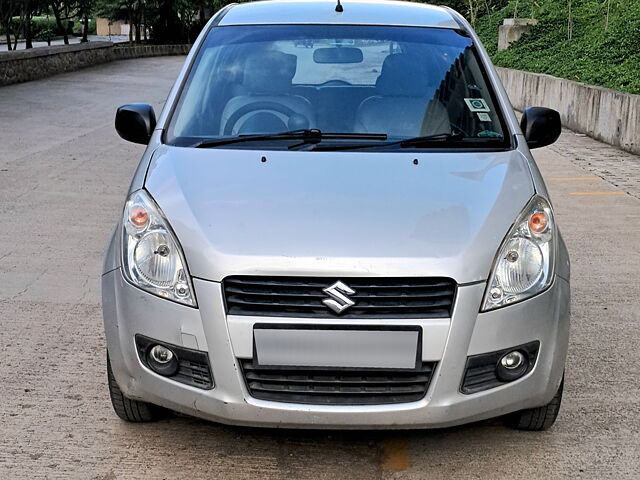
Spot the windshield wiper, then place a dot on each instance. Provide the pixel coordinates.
(292, 134)
(316, 136)
(407, 142)
(307, 136)
(442, 139)
(427, 139)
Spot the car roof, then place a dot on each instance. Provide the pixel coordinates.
(355, 12)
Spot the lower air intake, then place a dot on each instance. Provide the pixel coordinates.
(331, 386)
(480, 373)
(193, 365)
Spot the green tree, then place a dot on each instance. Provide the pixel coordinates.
(85, 10)
(16, 19)
(8, 8)
(64, 12)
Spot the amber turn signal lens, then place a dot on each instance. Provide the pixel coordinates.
(139, 216)
(538, 222)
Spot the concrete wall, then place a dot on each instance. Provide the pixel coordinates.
(32, 64)
(512, 30)
(607, 115)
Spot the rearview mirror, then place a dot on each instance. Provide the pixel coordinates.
(337, 55)
(541, 126)
(135, 122)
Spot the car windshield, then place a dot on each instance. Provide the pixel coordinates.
(401, 82)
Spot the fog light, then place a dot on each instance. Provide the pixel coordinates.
(512, 360)
(161, 354)
(512, 365)
(162, 360)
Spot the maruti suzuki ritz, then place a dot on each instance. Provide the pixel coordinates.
(337, 223)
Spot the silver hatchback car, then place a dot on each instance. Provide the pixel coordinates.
(337, 223)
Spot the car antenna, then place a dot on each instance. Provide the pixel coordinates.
(339, 7)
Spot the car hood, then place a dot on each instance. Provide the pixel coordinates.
(247, 212)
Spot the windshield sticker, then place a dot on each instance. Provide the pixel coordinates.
(477, 105)
(484, 117)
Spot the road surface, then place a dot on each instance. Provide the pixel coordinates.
(63, 177)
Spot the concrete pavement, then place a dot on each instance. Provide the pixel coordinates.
(63, 176)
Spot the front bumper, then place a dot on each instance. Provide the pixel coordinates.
(129, 311)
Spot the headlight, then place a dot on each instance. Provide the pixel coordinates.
(151, 256)
(524, 265)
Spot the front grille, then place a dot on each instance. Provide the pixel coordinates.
(374, 297)
(331, 386)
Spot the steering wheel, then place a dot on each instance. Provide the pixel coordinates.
(296, 121)
(335, 83)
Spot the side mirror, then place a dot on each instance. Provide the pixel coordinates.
(541, 126)
(135, 122)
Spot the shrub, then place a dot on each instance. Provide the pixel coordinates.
(593, 55)
(43, 28)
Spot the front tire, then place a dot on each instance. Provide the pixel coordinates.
(131, 410)
(537, 419)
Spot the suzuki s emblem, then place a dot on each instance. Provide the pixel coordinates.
(339, 301)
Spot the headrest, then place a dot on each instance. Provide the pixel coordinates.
(403, 75)
(269, 72)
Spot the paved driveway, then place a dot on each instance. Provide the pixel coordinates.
(63, 176)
